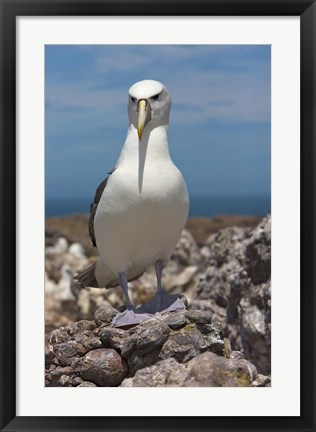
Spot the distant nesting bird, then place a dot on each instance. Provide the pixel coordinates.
(64, 284)
(59, 247)
(140, 209)
(77, 250)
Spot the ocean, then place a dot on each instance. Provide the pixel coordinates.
(208, 206)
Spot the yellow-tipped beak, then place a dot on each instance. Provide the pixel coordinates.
(143, 116)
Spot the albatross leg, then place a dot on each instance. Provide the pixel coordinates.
(130, 316)
(124, 285)
(162, 302)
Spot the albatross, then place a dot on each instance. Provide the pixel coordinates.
(140, 209)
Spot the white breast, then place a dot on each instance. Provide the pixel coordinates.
(135, 227)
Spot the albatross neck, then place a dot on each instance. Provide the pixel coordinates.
(153, 146)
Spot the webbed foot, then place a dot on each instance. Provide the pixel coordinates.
(162, 303)
(129, 318)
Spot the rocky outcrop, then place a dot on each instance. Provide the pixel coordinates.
(184, 348)
(205, 370)
(236, 286)
(227, 283)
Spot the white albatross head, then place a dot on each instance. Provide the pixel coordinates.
(149, 103)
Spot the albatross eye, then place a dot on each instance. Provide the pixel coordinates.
(133, 99)
(156, 97)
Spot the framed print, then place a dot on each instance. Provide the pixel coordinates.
(218, 332)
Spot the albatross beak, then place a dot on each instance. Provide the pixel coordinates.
(143, 116)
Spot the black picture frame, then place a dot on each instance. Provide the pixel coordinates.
(10, 9)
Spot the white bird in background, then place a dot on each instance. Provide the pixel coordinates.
(77, 250)
(64, 284)
(140, 209)
(59, 247)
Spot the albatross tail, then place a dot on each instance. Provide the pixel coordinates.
(98, 275)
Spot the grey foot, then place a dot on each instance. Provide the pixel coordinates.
(129, 318)
(166, 303)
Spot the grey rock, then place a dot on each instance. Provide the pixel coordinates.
(101, 354)
(88, 340)
(258, 253)
(77, 364)
(59, 377)
(58, 336)
(65, 381)
(65, 333)
(152, 337)
(261, 381)
(129, 344)
(76, 381)
(199, 317)
(153, 376)
(113, 338)
(137, 361)
(205, 370)
(104, 314)
(49, 354)
(237, 355)
(87, 384)
(236, 287)
(80, 326)
(187, 252)
(173, 281)
(210, 370)
(176, 320)
(104, 367)
(143, 344)
(66, 351)
(183, 345)
(227, 290)
(227, 351)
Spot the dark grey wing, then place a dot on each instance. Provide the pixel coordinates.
(94, 206)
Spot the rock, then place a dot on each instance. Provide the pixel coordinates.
(187, 252)
(113, 338)
(154, 340)
(58, 336)
(184, 345)
(201, 228)
(106, 355)
(49, 354)
(59, 377)
(237, 355)
(176, 320)
(104, 314)
(236, 287)
(258, 253)
(80, 326)
(226, 286)
(227, 351)
(261, 381)
(152, 337)
(88, 340)
(87, 384)
(205, 370)
(199, 317)
(143, 346)
(76, 381)
(153, 376)
(66, 351)
(181, 279)
(209, 370)
(103, 367)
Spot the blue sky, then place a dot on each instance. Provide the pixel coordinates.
(220, 123)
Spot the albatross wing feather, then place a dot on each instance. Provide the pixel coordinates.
(94, 206)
